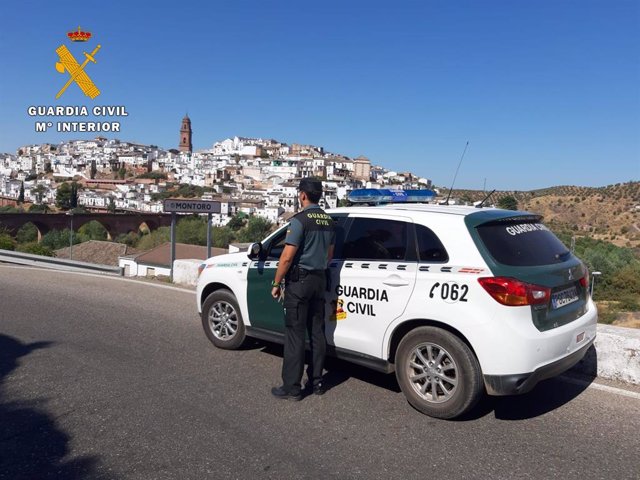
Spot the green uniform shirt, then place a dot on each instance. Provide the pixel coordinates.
(313, 232)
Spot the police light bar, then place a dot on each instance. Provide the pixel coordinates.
(383, 195)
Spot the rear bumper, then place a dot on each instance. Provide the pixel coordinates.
(516, 384)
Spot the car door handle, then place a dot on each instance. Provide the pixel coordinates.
(395, 281)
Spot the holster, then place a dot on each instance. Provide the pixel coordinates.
(293, 275)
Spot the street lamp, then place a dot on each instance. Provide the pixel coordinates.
(593, 281)
(70, 213)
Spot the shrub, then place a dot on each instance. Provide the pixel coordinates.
(92, 231)
(36, 248)
(56, 239)
(28, 233)
(192, 230)
(6, 242)
(130, 238)
(155, 238)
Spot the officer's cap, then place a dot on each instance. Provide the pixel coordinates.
(310, 185)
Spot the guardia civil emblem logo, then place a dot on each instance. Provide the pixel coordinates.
(76, 71)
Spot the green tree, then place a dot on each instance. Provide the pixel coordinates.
(56, 239)
(73, 201)
(256, 229)
(11, 209)
(121, 173)
(192, 230)
(42, 208)
(93, 170)
(93, 230)
(236, 222)
(63, 196)
(222, 236)
(38, 191)
(111, 208)
(6, 242)
(130, 238)
(508, 203)
(154, 175)
(27, 233)
(21, 194)
(36, 248)
(155, 238)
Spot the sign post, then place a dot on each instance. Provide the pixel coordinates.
(179, 205)
(173, 244)
(208, 235)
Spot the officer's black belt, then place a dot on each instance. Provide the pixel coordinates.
(295, 273)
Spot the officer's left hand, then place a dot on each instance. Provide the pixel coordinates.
(275, 293)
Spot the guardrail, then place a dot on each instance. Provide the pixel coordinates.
(9, 256)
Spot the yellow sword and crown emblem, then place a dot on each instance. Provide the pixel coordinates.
(76, 71)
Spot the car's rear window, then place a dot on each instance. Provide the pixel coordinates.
(522, 243)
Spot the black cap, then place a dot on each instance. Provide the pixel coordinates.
(310, 185)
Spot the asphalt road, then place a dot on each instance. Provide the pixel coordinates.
(102, 378)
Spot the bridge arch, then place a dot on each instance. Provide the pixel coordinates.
(114, 223)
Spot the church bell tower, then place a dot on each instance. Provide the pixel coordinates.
(185, 135)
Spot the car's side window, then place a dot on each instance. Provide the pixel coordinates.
(376, 239)
(339, 222)
(430, 248)
(276, 246)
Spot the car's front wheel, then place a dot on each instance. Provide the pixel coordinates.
(438, 372)
(222, 320)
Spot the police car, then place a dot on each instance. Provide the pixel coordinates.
(458, 301)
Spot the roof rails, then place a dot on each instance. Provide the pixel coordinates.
(378, 196)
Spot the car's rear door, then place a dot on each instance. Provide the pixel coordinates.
(372, 277)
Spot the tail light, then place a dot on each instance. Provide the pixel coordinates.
(514, 293)
(584, 281)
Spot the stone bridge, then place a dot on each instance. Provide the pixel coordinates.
(114, 223)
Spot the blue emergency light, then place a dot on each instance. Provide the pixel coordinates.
(383, 195)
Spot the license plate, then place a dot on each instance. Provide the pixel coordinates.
(564, 297)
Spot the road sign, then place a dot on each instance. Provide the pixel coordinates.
(179, 205)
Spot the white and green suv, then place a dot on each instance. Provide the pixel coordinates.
(458, 301)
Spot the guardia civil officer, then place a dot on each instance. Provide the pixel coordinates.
(308, 248)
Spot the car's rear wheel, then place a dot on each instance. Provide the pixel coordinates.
(438, 372)
(222, 320)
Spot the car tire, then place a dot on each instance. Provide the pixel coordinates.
(438, 373)
(222, 320)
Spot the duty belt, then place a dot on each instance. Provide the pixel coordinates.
(295, 273)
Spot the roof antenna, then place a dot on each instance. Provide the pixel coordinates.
(485, 199)
(446, 202)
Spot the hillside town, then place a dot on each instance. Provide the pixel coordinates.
(251, 175)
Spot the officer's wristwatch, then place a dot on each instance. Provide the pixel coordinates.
(275, 284)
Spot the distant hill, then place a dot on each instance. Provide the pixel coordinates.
(610, 213)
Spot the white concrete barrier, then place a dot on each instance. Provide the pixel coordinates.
(616, 355)
(185, 272)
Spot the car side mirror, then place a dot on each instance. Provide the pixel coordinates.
(254, 250)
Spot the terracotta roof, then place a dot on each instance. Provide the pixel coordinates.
(161, 255)
(96, 251)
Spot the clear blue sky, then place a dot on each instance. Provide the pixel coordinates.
(547, 92)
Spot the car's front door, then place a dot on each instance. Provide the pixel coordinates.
(264, 311)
